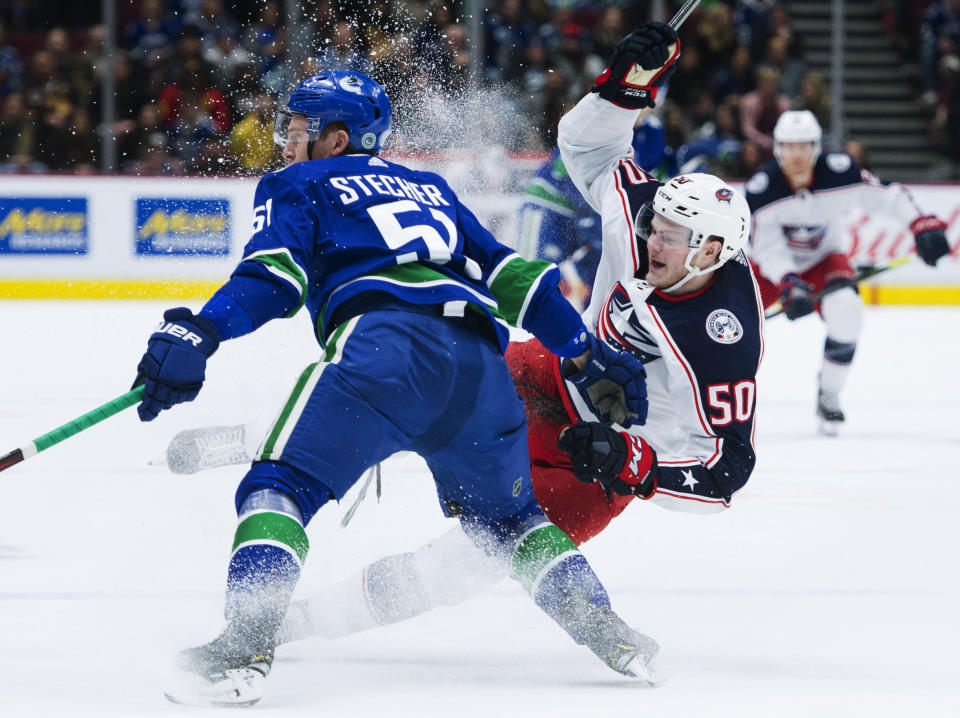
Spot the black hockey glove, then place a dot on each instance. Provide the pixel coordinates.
(173, 368)
(613, 383)
(795, 297)
(621, 463)
(930, 235)
(641, 62)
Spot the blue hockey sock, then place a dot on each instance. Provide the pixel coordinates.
(268, 551)
(557, 576)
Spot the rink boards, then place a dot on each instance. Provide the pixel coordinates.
(69, 237)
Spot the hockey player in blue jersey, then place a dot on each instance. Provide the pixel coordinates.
(798, 245)
(558, 225)
(410, 297)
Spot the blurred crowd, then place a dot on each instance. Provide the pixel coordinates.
(927, 32)
(196, 81)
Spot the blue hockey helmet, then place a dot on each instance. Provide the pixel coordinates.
(339, 96)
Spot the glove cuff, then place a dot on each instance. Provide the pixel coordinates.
(926, 223)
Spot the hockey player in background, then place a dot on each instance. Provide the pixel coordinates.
(557, 225)
(677, 293)
(798, 245)
(408, 294)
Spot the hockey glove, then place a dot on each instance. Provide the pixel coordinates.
(172, 369)
(930, 235)
(641, 62)
(795, 297)
(621, 463)
(613, 383)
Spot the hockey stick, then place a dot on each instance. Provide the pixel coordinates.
(125, 401)
(776, 308)
(683, 13)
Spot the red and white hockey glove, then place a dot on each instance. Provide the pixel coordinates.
(930, 235)
(641, 62)
(620, 462)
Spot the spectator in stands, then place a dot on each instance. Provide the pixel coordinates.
(940, 37)
(814, 97)
(251, 141)
(791, 70)
(608, 31)
(225, 55)
(137, 134)
(11, 69)
(17, 144)
(760, 109)
(153, 35)
(340, 52)
(736, 78)
(83, 150)
(154, 158)
(508, 34)
(717, 36)
(576, 62)
(458, 54)
(212, 20)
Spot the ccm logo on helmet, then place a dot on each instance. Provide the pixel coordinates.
(724, 195)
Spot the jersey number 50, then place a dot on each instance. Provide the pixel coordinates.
(735, 403)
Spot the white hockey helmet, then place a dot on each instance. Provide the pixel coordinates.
(709, 208)
(797, 126)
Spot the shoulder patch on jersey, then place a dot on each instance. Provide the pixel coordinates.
(724, 327)
(838, 162)
(376, 162)
(758, 183)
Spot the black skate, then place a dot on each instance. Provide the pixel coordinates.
(829, 413)
(220, 673)
(195, 450)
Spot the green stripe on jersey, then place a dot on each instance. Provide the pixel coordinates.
(270, 444)
(412, 274)
(514, 283)
(550, 199)
(535, 552)
(274, 527)
(284, 263)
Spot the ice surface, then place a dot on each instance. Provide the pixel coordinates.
(829, 589)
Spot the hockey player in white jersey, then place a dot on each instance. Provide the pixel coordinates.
(678, 294)
(798, 245)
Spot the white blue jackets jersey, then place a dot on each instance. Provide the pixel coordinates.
(701, 350)
(793, 232)
(347, 227)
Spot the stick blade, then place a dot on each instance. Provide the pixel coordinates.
(8, 460)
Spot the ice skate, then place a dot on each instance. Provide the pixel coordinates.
(196, 450)
(623, 649)
(829, 413)
(220, 674)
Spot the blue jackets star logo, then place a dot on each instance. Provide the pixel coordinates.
(688, 480)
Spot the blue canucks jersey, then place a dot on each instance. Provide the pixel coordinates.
(335, 230)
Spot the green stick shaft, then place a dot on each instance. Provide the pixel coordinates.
(44, 442)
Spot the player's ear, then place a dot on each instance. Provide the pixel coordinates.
(343, 141)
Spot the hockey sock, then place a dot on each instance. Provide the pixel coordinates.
(558, 577)
(268, 551)
(837, 357)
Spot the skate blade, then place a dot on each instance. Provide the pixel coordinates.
(242, 687)
(644, 672)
